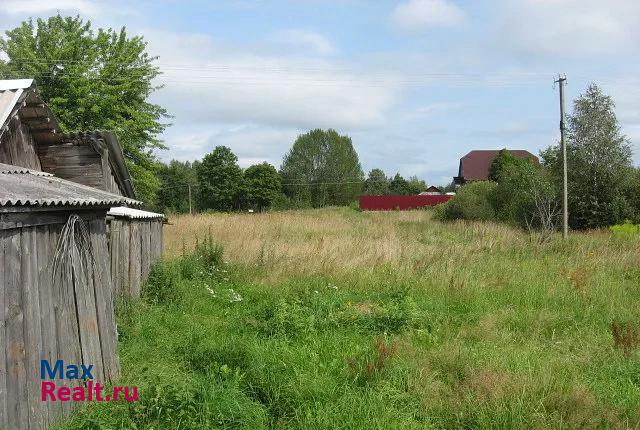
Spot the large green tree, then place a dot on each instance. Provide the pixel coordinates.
(220, 180)
(377, 183)
(599, 162)
(93, 79)
(262, 185)
(322, 168)
(399, 186)
(176, 178)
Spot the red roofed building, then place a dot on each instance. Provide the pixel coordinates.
(475, 165)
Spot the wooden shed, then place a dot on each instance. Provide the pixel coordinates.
(56, 293)
(135, 243)
(31, 137)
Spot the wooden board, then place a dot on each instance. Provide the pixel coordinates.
(17, 410)
(134, 259)
(104, 294)
(32, 327)
(47, 318)
(4, 236)
(145, 249)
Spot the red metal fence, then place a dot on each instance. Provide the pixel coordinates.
(385, 203)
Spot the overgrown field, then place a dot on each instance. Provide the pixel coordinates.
(336, 319)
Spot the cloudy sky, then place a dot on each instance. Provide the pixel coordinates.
(415, 83)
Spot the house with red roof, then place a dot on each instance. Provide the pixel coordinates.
(476, 164)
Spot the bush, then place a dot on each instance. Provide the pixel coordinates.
(162, 284)
(472, 202)
(627, 229)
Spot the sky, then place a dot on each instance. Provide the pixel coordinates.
(416, 84)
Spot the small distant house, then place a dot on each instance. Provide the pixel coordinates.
(476, 164)
(30, 137)
(431, 191)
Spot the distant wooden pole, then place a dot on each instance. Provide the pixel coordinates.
(563, 146)
(190, 212)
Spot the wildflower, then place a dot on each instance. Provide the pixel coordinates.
(333, 287)
(234, 296)
(210, 290)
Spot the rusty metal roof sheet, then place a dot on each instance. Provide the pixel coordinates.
(24, 187)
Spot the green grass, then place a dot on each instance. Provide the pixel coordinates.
(509, 334)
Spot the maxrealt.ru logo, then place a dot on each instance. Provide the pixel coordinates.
(93, 391)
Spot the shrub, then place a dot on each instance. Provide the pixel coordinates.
(472, 202)
(162, 284)
(626, 229)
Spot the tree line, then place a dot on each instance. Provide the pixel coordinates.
(321, 169)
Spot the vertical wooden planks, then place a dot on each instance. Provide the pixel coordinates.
(4, 237)
(17, 406)
(114, 250)
(32, 327)
(124, 270)
(145, 249)
(134, 259)
(66, 318)
(47, 309)
(86, 309)
(104, 294)
(156, 240)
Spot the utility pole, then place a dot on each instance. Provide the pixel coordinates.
(563, 147)
(190, 212)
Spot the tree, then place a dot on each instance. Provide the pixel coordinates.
(262, 182)
(399, 186)
(504, 159)
(632, 192)
(376, 184)
(598, 160)
(93, 80)
(321, 169)
(415, 185)
(220, 180)
(175, 180)
(525, 196)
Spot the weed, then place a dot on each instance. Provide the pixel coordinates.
(626, 336)
(367, 368)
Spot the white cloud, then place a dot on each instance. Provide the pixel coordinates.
(569, 28)
(85, 7)
(307, 41)
(207, 83)
(251, 143)
(417, 15)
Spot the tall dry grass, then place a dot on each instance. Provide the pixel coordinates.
(338, 241)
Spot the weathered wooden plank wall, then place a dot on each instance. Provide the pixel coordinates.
(42, 318)
(17, 146)
(134, 246)
(79, 162)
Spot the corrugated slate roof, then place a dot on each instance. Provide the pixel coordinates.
(16, 170)
(24, 187)
(125, 212)
(476, 164)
